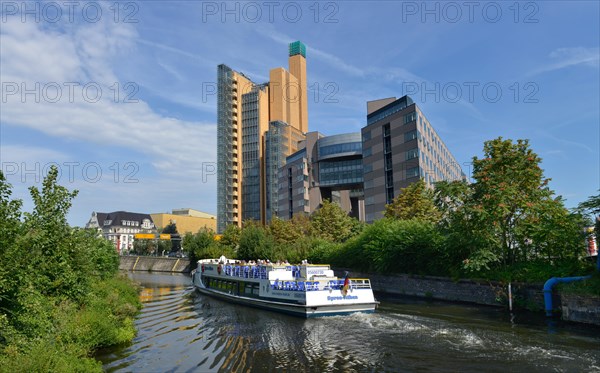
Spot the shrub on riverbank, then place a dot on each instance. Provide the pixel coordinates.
(586, 287)
(389, 246)
(60, 293)
(73, 331)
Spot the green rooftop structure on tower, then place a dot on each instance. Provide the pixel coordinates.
(297, 47)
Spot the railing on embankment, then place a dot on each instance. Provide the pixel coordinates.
(154, 264)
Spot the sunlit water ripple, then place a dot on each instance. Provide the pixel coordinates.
(180, 330)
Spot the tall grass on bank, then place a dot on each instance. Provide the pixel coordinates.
(74, 332)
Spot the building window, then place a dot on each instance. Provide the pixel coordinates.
(367, 152)
(412, 172)
(389, 179)
(350, 147)
(411, 135)
(366, 135)
(389, 195)
(386, 130)
(412, 154)
(367, 168)
(388, 161)
(410, 117)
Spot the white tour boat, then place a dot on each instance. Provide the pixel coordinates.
(306, 290)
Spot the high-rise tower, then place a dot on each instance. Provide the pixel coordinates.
(297, 63)
(244, 115)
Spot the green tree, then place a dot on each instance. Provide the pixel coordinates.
(47, 244)
(465, 241)
(513, 209)
(49, 260)
(10, 216)
(170, 228)
(231, 237)
(414, 202)
(591, 207)
(147, 247)
(450, 197)
(174, 244)
(197, 244)
(10, 230)
(303, 225)
(395, 246)
(60, 296)
(332, 223)
(284, 231)
(255, 242)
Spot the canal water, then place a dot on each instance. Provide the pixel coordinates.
(180, 330)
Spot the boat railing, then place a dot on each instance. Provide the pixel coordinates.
(295, 271)
(260, 272)
(360, 283)
(255, 271)
(316, 285)
(251, 271)
(355, 283)
(295, 285)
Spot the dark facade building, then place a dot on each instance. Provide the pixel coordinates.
(324, 168)
(399, 147)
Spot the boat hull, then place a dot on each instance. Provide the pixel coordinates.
(292, 309)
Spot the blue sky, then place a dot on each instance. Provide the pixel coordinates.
(478, 70)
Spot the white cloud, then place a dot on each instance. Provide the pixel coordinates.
(328, 58)
(567, 57)
(34, 55)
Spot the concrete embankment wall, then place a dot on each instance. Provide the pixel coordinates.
(154, 264)
(530, 296)
(580, 309)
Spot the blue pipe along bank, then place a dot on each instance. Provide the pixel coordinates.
(561, 280)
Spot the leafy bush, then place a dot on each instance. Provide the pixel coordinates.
(392, 246)
(59, 294)
(45, 355)
(255, 243)
(586, 287)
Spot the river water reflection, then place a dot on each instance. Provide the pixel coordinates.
(180, 330)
